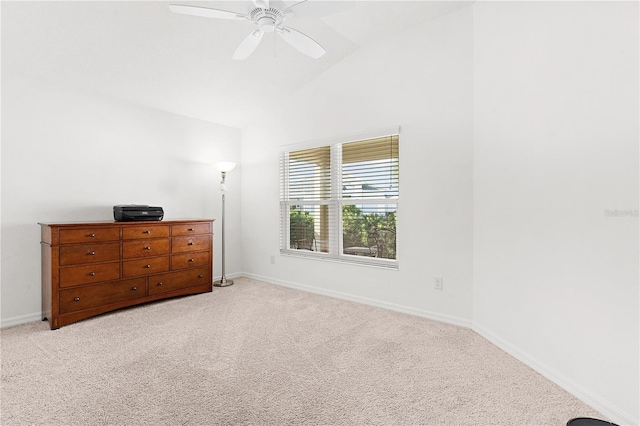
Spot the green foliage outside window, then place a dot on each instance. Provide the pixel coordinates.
(368, 234)
(301, 232)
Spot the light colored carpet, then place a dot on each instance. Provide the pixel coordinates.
(256, 353)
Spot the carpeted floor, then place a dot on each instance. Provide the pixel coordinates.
(256, 353)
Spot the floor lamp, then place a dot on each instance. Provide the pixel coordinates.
(224, 167)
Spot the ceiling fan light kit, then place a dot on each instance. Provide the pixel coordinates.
(268, 17)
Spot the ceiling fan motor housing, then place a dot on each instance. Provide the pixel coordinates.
(267, 19)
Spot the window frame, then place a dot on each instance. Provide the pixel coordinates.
(335, 252)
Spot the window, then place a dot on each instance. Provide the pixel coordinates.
(340, 201)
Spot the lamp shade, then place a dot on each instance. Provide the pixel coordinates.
(225, 166)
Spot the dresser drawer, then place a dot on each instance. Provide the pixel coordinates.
(145, 248)
(176, 280)
(187, 244)
(189, 260)
(90, 296)
(89, 235)
(190, 229)
(89, 253)
(76, 275)
(145, 231)
(141, 267)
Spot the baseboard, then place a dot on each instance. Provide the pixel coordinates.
(609, 410)
(449, 319)
(22, 319)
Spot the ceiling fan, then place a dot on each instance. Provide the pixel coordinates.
(269, 16)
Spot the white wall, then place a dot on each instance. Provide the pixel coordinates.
(69, 156)
(555, 145)
(420, 80)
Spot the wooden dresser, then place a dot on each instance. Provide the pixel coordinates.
(95, 267)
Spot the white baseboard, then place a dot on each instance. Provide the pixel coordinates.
(449, 319)
(598, 403)
(22, 319)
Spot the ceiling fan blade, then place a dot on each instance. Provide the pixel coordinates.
(307, 9)
(205, 12)
(261, 3)
(302, 42)
(248, 45)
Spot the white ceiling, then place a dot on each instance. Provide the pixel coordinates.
(139, 51)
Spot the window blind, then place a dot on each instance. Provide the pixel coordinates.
(309, 174)
(370, 168)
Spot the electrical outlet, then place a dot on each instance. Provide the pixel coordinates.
(437, 283)
(273, 259)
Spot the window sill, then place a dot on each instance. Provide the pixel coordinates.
(346, 259)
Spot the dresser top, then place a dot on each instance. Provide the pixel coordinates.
(102, 231)
(113, 222)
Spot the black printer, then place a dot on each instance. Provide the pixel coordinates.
(136, 212)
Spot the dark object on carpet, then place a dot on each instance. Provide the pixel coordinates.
(588, 421)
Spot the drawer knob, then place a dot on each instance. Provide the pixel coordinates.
(147, 232)
(200, 276)
(92, 274)
(76, 299)
(190, 229)
(92, 253)
(191, 260)
(91, 235)
(160, 284)
(134, 288)
(147, 266)
(147, 248)
(190, 243)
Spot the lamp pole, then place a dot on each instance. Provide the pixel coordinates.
(224, 167)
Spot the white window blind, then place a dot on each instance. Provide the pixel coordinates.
(340, 201)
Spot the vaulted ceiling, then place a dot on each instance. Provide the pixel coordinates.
(140, 52)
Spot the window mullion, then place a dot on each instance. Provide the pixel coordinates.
(336, 194)
(284, 201)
